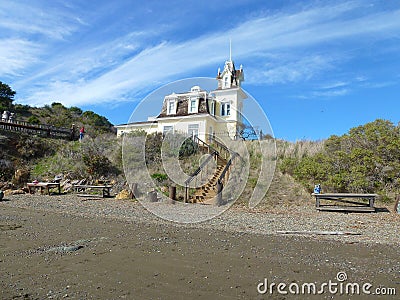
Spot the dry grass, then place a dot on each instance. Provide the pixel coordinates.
(298, 149)
(284, 191)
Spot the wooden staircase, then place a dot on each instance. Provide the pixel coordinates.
(223, 157)
(206, 193)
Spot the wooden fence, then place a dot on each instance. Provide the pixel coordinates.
(40, 129)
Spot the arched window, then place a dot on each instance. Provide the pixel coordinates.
(226, 81)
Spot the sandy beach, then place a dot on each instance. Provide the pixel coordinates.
(61, 247)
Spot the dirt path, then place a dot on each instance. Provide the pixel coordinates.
(46, 255)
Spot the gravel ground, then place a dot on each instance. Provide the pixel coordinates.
(379, 228)
(64, 246)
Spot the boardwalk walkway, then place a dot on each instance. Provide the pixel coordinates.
(41, 129)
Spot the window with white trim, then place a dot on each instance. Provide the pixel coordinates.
(225, 109)
(168, 129)
(193, 105)
(193, 129)
(226, 82)
(171, 108)
(213, 108)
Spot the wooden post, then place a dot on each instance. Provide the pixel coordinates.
(152, 196)
(186, 194)
(397, 205)
(371, 201)
(317, 201)
(135, 190)
(219, 193)
(172, 192)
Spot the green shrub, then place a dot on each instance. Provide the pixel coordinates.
(287, 165)
(159, 177)
(33, 120)
(6, 170)
(97, 164)
(367, 159)
(153, 148)
(188, 148)
(21, 109)
(98, 122)
(30, 147)
(76, 110)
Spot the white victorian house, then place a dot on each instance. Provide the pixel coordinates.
(198, 112)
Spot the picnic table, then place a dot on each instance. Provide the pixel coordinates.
(105, 189)
(32, 186)
(345, 199)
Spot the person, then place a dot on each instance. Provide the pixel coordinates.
(11, 118)
(72, 132)
(317, 189)
(81, 133)
(4, 116)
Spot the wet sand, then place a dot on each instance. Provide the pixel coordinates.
(49, 255)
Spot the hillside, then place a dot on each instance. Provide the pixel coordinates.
(25, 150)
(366, 159)
(58, 115)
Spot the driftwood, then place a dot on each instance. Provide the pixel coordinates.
(316, 232)
(88, 197)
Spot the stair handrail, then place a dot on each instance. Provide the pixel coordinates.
(228, 164)
(197, 140)
(201, 167)
(219, 144)
(215, 154)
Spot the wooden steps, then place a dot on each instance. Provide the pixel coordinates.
(207, 192)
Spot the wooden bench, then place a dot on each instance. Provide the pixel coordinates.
(105, 189)
(346, 198)
(43, 186)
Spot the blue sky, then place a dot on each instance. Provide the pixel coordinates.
(316, 67)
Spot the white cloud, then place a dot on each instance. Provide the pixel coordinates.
(103, 73)
(16, 55)
(287, 70)
(380, 84)
(25, 18)
(331, 93)
(334, 85)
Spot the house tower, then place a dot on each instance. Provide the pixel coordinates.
(229, 96)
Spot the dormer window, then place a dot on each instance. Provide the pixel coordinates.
(213, 108)
(225, 109)
(196, 88)
(171, 106)
(193, 105)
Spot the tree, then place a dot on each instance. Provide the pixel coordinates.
(76, 110)
(188, 148)
(100, 122)
(6, 96)
(247, 132)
